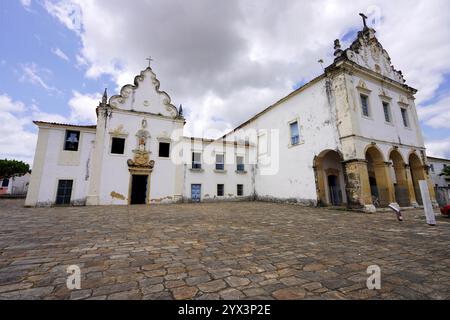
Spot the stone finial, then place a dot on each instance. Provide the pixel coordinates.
(364, 17)
(337, 48)
(105, 96)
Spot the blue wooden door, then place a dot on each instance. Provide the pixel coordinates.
(196, 192)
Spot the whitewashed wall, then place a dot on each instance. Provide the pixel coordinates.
(209, 178)
(62, 165)
(115, 175)
(291, 177)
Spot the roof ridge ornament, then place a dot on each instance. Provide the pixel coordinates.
(105, 96)
(364, 17)
(149, 59)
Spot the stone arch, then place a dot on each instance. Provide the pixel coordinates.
(381, 187)
(399, 177)
(417, 173)
(330, 178)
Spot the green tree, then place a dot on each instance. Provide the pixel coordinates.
(13, 168)
(445, 171)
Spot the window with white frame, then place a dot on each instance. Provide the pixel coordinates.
(295, 133)
(240, 167)
(405, 118)
(387, 112)
(196, 160)
(364, 105)
(220, 165)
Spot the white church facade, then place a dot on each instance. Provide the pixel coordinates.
(350, 137)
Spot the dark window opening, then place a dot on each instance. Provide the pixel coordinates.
(240, 190)
(164, 150)
(220, 190)
(64, 193)
(118, 146)
(72, 140)
(5, 182)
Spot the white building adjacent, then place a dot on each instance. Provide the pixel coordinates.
(349, 137)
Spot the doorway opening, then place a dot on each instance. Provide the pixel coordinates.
(139, 186)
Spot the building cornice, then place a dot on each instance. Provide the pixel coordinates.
(43, 124)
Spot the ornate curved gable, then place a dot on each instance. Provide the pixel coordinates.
(145, 96)
(368, 52)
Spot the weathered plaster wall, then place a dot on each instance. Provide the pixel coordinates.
(76, 169)
(290, 176)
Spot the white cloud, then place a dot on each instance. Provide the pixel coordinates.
(26, 3)
(36, 75)
(8, 105)
(66, 12)
(225, 61)
(438, 148)
(82, 107)
(16, 142)
(436, 115)
(60, 54)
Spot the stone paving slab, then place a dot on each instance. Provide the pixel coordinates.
(248, 250)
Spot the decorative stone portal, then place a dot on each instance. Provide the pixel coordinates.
(381, 186)
(330, 179)
(400, 179)
(140, 168)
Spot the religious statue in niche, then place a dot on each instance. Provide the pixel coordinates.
(141, 157)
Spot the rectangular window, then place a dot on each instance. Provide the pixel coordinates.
(220, 190)
(196, 160)
(432, 167)
(64, 192)
(220, 162)
(365, 105)
(5, 183)
(164, 150)
(117, 145)
(387, 112)
(71, 141)
(240, 190)
(295, 133)
(405, 117)
(240, 164)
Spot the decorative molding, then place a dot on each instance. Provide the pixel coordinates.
(127, 90)
(119, 132)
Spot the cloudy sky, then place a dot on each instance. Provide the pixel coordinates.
(223, 60)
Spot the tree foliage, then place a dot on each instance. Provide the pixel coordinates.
(445, 171)
(13, 168)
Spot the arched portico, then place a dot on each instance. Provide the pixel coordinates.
(381, 186)
(400, 179)
(330, 178)
(417, 174)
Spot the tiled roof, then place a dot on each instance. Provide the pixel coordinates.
(64, 125)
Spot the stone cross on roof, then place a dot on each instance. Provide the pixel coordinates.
(149, 61)
(364, 17)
